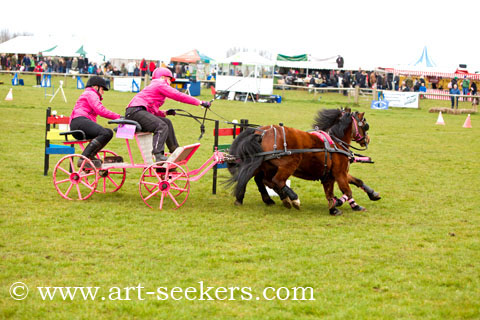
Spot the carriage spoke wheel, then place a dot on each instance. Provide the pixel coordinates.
(164, 185)
(109, 180)
(73, 182)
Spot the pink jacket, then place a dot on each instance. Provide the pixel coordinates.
(153, 97)
(89, 105)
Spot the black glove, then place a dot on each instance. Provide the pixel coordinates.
(171, 112)
(206, 104)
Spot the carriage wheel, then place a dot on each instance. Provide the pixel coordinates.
(164, 184)
(109, 180)
(73, 182)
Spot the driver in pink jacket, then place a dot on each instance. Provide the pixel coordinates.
(144, 108)
(84, 117)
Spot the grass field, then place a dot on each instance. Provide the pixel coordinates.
(413, 255)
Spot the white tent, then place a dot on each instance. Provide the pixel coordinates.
(27, 45)
(248, 57)
(75, 47)
(246, 72)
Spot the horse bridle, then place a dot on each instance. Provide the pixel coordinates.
(357, 124)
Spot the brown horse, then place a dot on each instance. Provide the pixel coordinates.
(272, 154)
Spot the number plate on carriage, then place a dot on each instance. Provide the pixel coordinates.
(126, 131)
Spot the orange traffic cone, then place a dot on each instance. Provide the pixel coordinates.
(9, 95)
(468, 122)
(440, 119)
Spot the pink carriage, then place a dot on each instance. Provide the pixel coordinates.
(164, 184)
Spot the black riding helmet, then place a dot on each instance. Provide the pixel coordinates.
(97, 81)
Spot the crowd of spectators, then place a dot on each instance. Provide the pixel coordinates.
(76, 65)
(373, 80)
(344, 79)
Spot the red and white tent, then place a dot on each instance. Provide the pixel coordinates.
(433, 73)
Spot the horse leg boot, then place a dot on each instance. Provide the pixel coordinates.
(292, 196)
(372, 194)
(90, 152)
(332, 200)
(279, 179)
(287, 203)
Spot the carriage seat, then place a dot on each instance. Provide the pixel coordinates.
(126, 121)
(79, 141)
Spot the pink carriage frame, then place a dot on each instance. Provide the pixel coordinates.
(165, 181)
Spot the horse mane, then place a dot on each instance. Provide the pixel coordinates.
(335, 120)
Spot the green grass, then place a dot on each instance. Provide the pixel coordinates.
(413, 255)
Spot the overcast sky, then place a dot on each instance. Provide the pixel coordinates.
(381, 32)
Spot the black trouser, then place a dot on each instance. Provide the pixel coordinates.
(92, 130)
(161, 128)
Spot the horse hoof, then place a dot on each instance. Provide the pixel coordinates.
(269, 202)
(296, 204)
(359, 208)
(335, 212)
(238, 203)
(287, 203)
(374, 196)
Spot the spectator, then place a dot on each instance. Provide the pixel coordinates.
(143, 67)
(396, 82)
(454, 81)
(340, 61)
(465, 86)
(389, 81)
(409, 83)
(380, 82)
(136, 71)
(473, 91)
(151, 67)
(311, 83)
(26, 62)
(81, 64)
(38, 69)
(75, 64)
(3, 62)
(416, 86)
(131, 68)
(346, 82)
(404, 87)
(454, 99)
(372, 80)
(179, 69)
(68, 65)
(359, 78)
(123, 70)
(422, 89)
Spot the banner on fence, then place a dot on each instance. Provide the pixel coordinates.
(401, 99)
(126, 84)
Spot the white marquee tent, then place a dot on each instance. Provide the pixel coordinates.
(27, 45)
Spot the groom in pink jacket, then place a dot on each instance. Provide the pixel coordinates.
(84, 117)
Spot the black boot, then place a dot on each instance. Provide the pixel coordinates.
(90, 152)
(160, 157)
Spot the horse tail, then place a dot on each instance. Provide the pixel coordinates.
(244, 148)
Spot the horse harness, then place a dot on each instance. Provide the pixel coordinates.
(327, 139)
